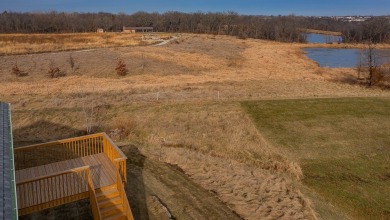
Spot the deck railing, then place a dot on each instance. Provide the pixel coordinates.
(53, 190)
(125, 202)
(48, 191)
(115, 155)
(92, 198)
(67, 149)
(56, 151)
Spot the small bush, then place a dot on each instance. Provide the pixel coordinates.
(121, 68)
(121, 128)
(17, 72)
(386, 73)
(54, 72)
(380, 75)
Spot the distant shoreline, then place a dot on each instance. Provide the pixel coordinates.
(313, 31)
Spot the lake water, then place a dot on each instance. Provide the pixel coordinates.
(323, 39)
(348, 58)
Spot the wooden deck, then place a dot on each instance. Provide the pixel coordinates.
(102, 170)
(64, 171)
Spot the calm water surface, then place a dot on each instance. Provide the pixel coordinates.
(348, 58)
(323, 39)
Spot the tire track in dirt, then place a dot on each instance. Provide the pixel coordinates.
(251, 192)
(150, 179)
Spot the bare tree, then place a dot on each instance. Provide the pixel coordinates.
(72, 62)
(372, 64)
(89, 112)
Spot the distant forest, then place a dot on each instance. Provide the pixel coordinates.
(278, 28)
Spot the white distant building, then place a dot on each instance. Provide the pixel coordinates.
(137, 29)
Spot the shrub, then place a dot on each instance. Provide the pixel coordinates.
(121, 68)
(17, 72)
(121, 128)
(380, 75)
(55, 72)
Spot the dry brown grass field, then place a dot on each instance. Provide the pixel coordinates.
(180, 104)
(39, 43)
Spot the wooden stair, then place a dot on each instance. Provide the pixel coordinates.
(110, 203)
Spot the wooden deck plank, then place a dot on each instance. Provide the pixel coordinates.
(111, 169)
(102, 172)
(104, 178)
(97, 175)
(99, 164)
(106, 168)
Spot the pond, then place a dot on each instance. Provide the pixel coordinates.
(345, 58)
(323, 39)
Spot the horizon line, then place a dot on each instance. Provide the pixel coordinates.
(193, 12)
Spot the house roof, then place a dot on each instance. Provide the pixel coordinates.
(8, 207)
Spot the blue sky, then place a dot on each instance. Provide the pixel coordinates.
(254, 7)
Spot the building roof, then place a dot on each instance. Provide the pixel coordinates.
(137, 28)
(8, 207)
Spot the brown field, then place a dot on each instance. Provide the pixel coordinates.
(39, 43)
(180, 104)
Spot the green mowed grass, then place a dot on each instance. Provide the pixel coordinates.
(343, 146)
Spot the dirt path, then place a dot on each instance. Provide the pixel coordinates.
(165, 41)
(157, 189)
(251, 192)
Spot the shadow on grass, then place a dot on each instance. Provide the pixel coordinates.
(43, 131)
(79, 210)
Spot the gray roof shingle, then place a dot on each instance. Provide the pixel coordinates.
(7, 183)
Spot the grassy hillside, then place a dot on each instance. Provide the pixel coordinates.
(343, 146)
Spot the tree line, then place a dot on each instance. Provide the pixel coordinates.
(278, 28)
(373, 30)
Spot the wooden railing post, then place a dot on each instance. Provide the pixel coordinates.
(55, 151)
(77, 182)
(48, 191)
(105, 147)
(125, 201)
(92, 198)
